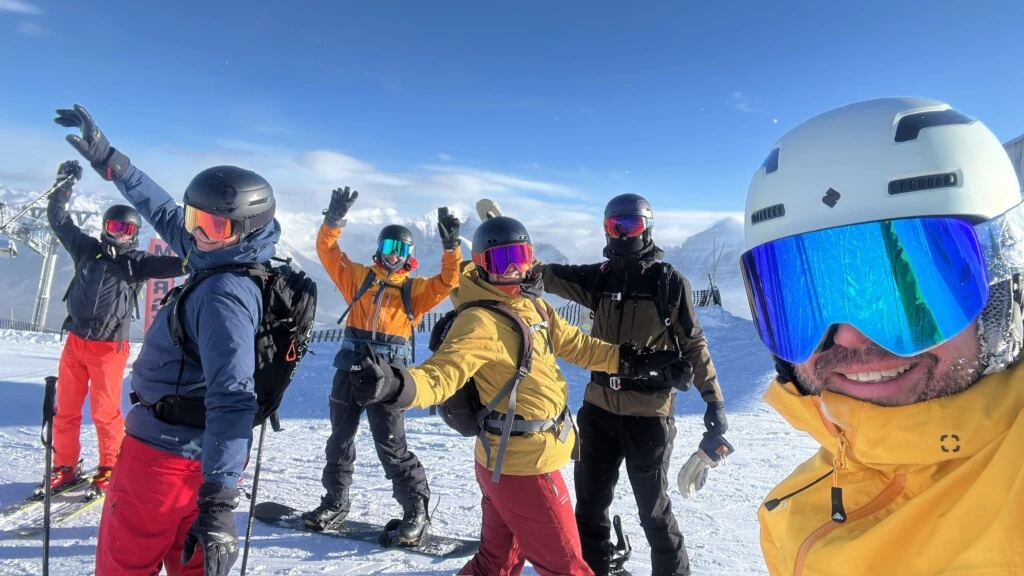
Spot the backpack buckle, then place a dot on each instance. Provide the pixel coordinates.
(615, 383)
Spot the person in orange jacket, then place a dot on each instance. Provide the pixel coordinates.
(385, 305)
(109, 272)
(883, 264)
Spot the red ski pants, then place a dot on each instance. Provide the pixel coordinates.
(527, 518)
(89, 366)
(151, 503)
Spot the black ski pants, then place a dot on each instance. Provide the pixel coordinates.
(645, 444)
(387, 425)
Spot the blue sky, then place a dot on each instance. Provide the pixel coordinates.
(556, 104)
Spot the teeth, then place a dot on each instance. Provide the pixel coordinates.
(878, 376)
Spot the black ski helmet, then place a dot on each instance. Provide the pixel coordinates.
(121, 213)
(498, 231)
(393, 232)
(629, 205)
(240, 195)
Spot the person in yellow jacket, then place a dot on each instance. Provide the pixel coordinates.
(527, 510)
(385, 305)
(883, 264)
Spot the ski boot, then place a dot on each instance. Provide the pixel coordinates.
(331, 512)
(61, 478)
(98, 486)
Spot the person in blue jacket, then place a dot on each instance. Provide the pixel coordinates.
(174, 489)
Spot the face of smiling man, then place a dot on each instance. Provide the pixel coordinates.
(855, 366)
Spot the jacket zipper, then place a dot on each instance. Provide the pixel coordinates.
(886, 497)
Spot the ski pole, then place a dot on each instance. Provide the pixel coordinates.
(49, 394)
(252, 501)
(54, 188)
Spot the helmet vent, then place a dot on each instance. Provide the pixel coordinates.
(910, 126)
(769, 213)
(771, 162)
(919, 183)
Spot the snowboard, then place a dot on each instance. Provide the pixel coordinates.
(436, 546)
(487, 208)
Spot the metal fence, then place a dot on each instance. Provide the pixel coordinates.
(23, 326)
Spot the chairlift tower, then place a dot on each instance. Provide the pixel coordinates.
(33, 231)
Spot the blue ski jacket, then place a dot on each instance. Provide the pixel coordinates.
(220, 318)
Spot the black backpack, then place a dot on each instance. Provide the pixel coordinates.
(282, 339)
(466, 413)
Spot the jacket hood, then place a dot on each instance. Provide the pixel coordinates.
(894, 439)
(260, 246)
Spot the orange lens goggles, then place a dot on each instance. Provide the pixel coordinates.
(215, 227)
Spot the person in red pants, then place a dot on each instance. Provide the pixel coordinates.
(528, 436)
(100, 301)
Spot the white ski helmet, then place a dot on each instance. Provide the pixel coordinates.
(877, 160)
(885, 159)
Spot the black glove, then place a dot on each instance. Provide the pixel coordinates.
(448, 228)
(93, 144)
(342, 200)
(214, 530)
(69, 172)
(377, 381)
(714, 418)
(637, 364)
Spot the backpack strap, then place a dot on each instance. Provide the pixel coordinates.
(511, 388)
(363, 289)
(668, 293)
(407, 299)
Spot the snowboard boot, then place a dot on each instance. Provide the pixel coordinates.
(100, 481)
(331, 512)
(414, 523)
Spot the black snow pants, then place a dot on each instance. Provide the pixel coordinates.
(387, 425)
(645, 443)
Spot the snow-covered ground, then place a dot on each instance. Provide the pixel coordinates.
(719, 523)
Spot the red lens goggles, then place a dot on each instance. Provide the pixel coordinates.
(120, 228)
(498, 260)
(628, 225)
(215, 227)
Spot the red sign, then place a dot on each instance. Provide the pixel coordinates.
(156, 289)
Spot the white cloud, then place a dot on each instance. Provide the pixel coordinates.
(444, 157)
(31, 29)
(743, 102)
(19, 6)
(556, 213)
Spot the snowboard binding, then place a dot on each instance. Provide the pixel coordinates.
(622, 550)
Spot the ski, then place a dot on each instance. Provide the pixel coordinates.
(36, 498)
(433, 545)
(64, 505)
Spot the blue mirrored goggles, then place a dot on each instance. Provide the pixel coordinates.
(396, 247)
(907, 284)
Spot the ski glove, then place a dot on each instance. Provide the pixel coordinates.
(69, 172)
(694, 473)
(342, 200)
(93, 144)
(714, 418)
(448, 228)
(377, 381)
(637, 364)
(214, 530)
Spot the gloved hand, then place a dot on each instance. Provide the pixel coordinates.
(448, 227)
(694, 473)
(93, 144)
(636, 364)
(714, 418)
(377, 381)
(69, 172)
(214, 530)
(342, 200)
